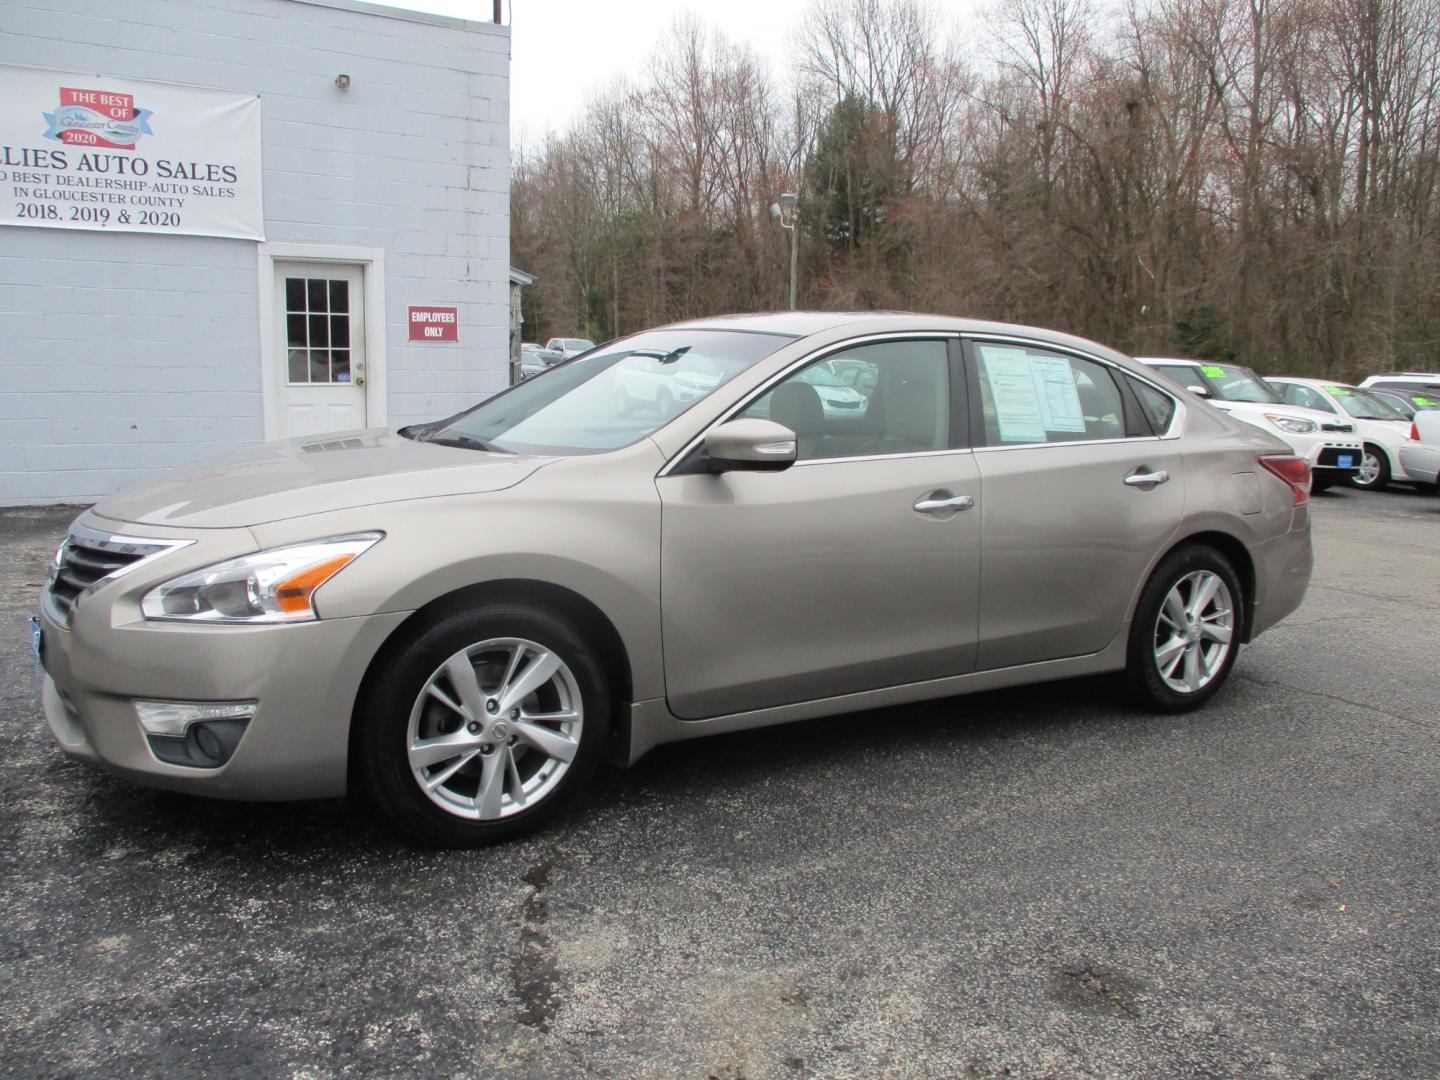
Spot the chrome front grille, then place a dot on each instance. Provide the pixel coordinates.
(89, 557)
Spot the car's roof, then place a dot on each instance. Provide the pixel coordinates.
(1306, 381)
(801, 324)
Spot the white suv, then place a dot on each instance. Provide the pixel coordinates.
(569, 346)
(1326, 442)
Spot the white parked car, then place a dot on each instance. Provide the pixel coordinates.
(660, 382)
(1381, 427)
(567, 347)
(1420, 458)
(838, 399)
(1326, 441)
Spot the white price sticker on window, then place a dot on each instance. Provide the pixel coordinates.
(1055, 388)
(1017, 403)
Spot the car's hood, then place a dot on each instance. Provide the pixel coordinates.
(1260, 408)
(311, 476)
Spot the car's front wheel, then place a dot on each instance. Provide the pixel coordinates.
(1374, 471)
(1187, 630)
(482, 724)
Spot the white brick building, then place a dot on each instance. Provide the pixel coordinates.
(125, 353)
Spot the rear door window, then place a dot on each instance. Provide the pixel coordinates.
(1032, 395)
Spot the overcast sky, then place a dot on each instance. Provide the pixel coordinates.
(564, 50)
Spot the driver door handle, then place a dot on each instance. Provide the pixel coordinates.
(1147, 479)
(935, 506)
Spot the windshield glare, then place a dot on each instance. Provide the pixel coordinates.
(1363, 405)
(611, 397)
(1231, 382)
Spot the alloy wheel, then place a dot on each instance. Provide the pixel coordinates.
(1369, 470)
(495, 728)
(1194, 631)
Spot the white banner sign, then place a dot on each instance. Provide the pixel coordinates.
(123, 155)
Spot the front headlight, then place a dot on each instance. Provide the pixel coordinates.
(267, 587)
(1293, 424)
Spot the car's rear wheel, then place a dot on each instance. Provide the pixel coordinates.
(1374, 471)
(1319, 482)
(1187, 630)
(483, 724)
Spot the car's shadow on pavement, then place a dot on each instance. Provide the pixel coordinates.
(127, 821)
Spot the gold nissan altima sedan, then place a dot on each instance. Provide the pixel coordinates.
(803, 514)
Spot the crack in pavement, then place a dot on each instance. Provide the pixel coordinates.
(1413, 721)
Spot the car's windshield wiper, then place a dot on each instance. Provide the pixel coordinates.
(415, 431)
(466, 442)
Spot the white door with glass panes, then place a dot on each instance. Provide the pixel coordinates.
(320, 309)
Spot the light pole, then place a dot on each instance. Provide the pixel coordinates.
(784, 212)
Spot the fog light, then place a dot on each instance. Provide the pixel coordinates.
(197, 734)
(173, 717)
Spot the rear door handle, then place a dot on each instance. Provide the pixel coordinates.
(936, 506)
(1147, 479)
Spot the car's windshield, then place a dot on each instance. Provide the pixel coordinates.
(1398, 402)
(1228, 382)
(595, 403)
(1362, 404)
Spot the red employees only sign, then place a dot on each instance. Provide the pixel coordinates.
(434, 324)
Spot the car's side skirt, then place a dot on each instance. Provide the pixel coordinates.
(652, 723)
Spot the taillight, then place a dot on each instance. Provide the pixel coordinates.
(1414, 432)
(1295, 471)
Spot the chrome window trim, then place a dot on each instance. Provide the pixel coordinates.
(1171, 432)
(1128, 439)
(884, 457)
(814, 357)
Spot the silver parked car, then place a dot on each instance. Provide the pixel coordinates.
(464, 618)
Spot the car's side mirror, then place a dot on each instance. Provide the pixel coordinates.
(1200, 391)
(753, 444)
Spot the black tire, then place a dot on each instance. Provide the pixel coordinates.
(1143, 677)
(393, 688)
(1319, 483)
(1382, 475)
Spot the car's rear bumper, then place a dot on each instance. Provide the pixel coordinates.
(303, 678)
(1283, 566)
(1421, 463)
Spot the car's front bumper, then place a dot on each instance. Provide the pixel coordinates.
(304, 678)
(1326, 451)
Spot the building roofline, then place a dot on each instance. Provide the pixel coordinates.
(388, 11)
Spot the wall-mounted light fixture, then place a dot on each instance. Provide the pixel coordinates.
(342, 81)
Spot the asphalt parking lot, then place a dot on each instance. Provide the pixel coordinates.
(1035, 883)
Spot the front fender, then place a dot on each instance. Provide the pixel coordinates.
(589, 524)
